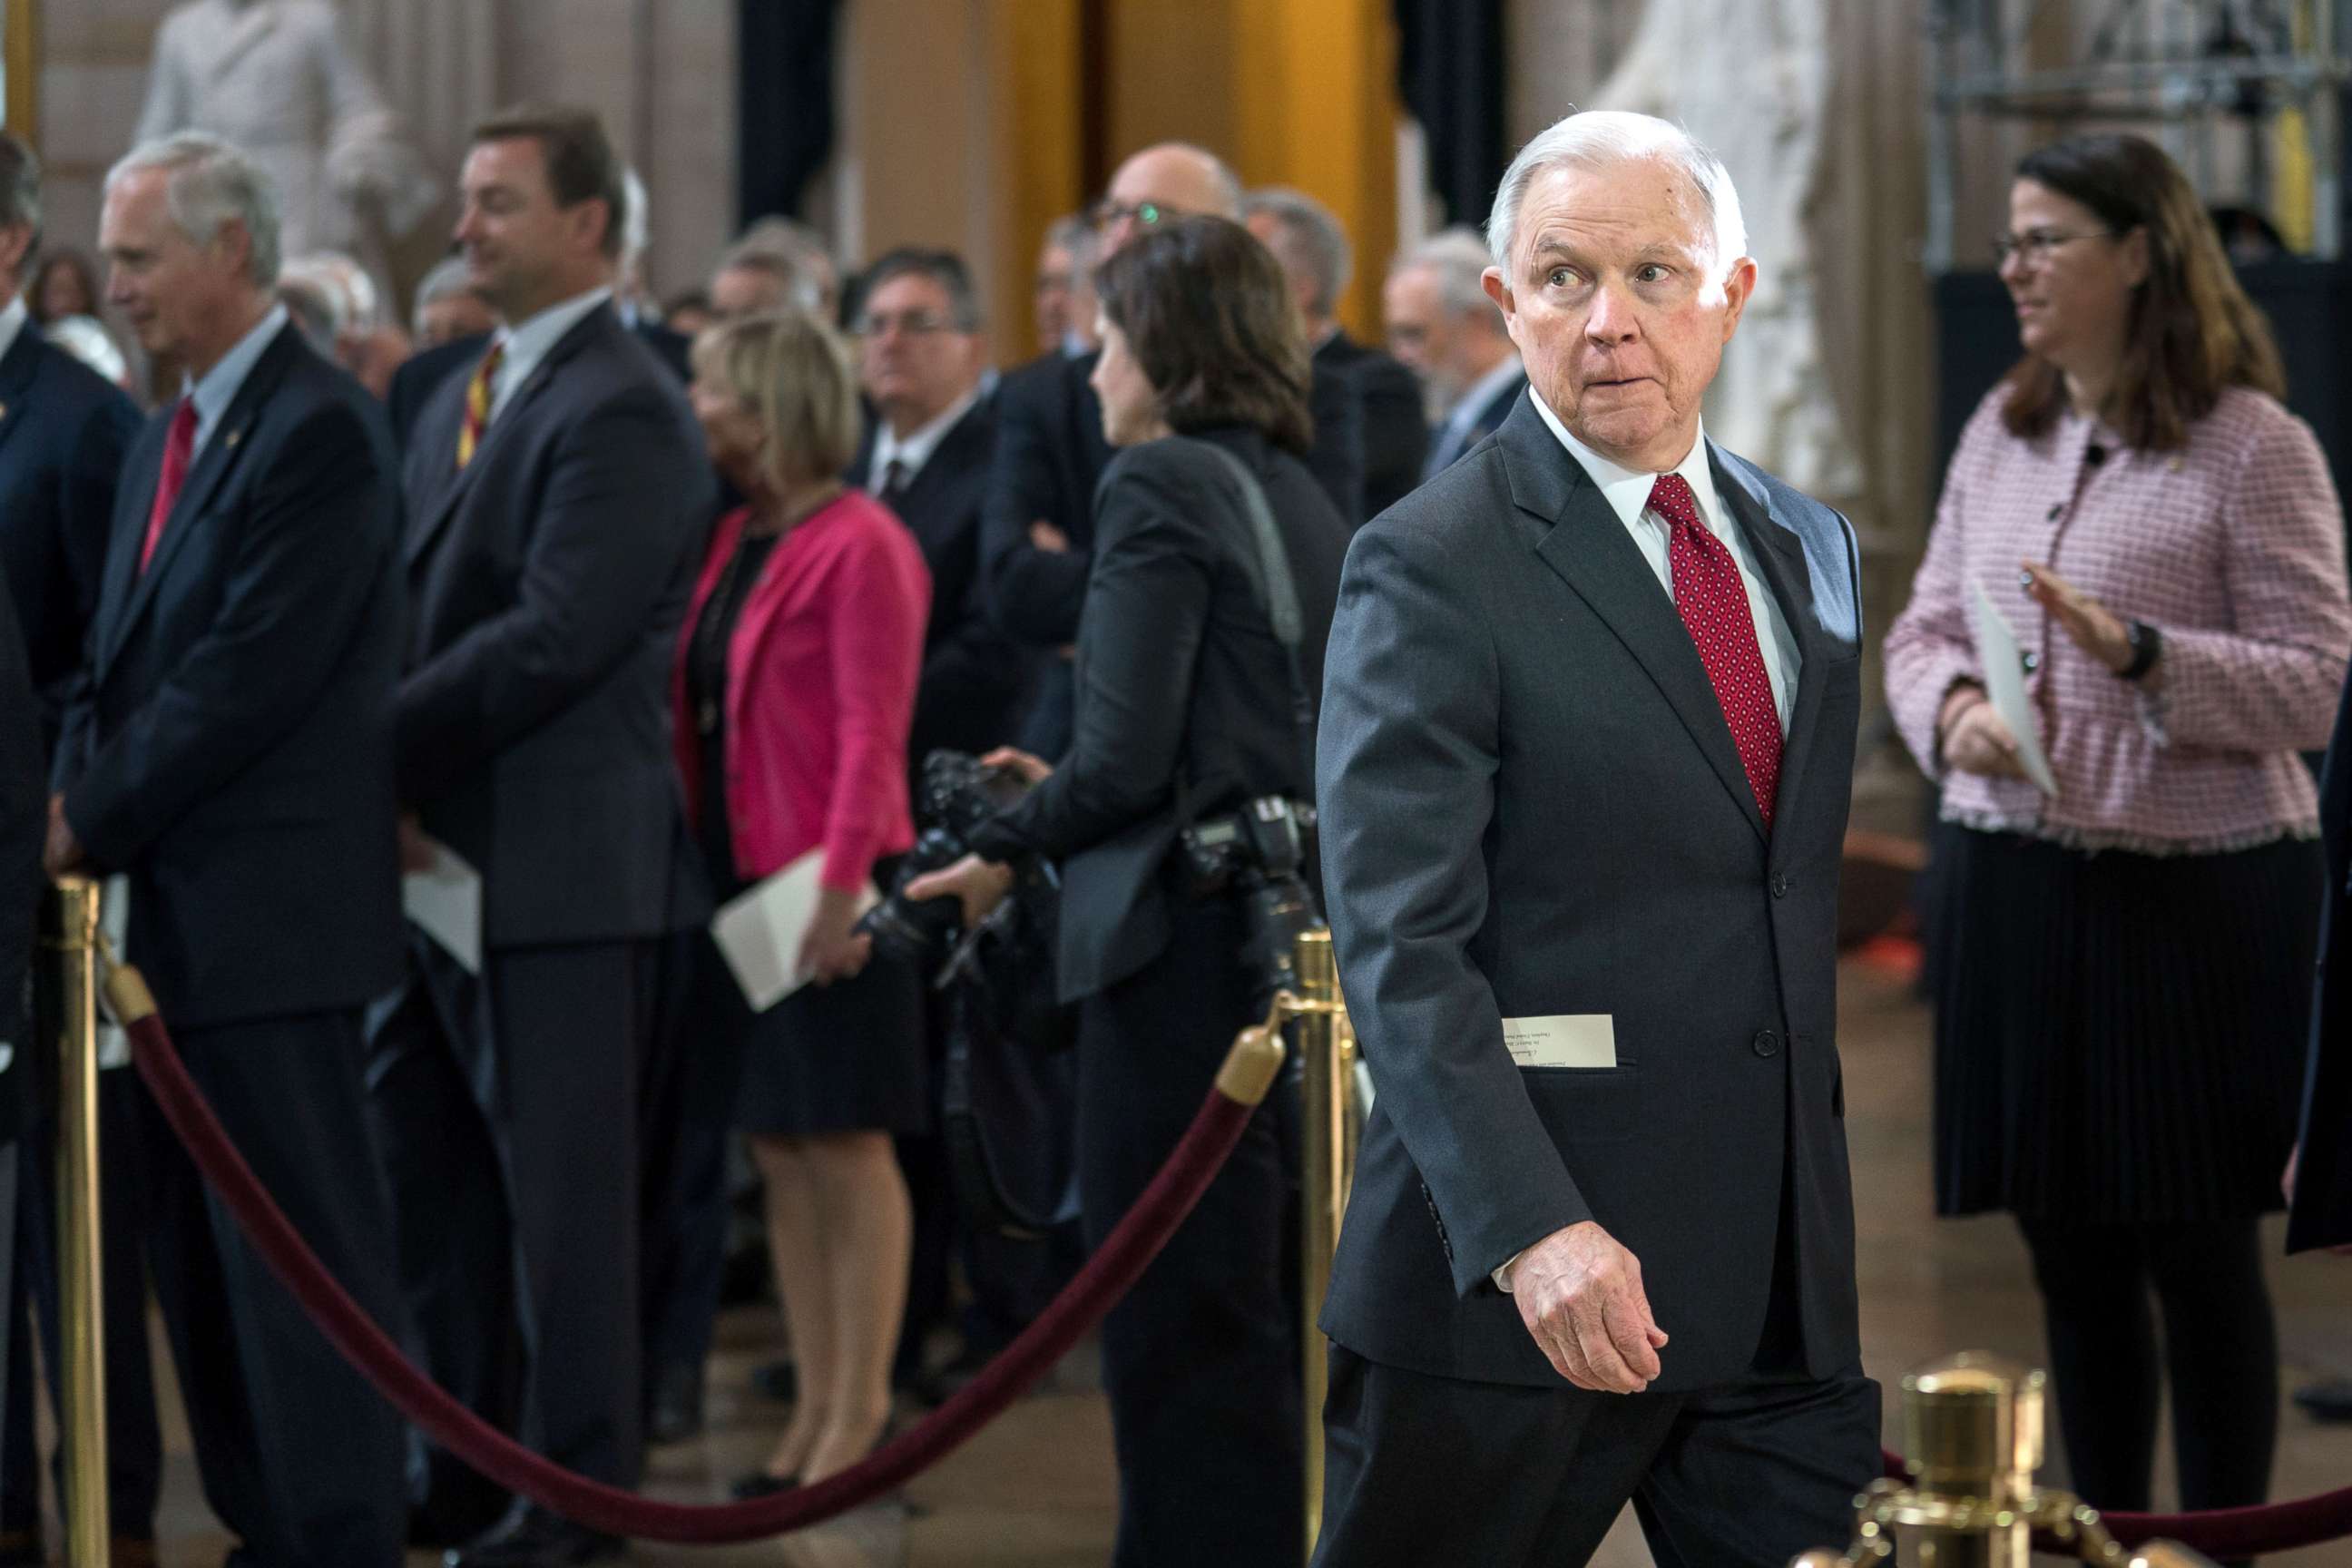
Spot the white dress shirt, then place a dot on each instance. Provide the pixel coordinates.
(912, 453)
(527, 342)
(213, 392)
(12, 322)
(1628, 494)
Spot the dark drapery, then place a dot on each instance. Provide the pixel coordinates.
(1450, 71)
(785, 121)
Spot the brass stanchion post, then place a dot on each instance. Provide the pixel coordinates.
(1327, 1168)
(80, 1294)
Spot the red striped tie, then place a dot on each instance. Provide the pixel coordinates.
(1713, 605)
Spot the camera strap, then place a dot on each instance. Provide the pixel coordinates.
(1280, 594)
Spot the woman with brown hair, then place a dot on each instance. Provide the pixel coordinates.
(1188, 705)
(794, 688)
(2122, 968)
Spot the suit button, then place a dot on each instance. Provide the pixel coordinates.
(2032, 661)
(1780, 884)
(1765, 1044)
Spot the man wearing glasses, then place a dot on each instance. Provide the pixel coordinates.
(1036, 523)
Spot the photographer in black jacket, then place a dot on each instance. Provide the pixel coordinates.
(1188, 707)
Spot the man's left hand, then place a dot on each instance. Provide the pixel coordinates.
(979, 885)
(63, 852)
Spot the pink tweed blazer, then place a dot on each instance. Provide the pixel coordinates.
(2233, 548)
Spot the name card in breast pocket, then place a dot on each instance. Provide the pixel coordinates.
(1562, 1040)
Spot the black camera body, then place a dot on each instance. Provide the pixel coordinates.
(956, 794)
(1259, 851)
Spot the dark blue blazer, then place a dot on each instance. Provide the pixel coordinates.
(423, 372)
(229, 743)
(2321, 1214)
(547, 581)
(63, 432)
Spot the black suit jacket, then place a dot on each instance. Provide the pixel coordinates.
(229, 745)
(64, 430)
(1386, 402)
(1180, 678)
(547, 581)
(1531, 805)
(2321, 1214)
(24, 825)
(421, 373)
(974, 677)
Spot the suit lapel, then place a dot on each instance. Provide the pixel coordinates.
(1589, 548)
(18, 368)
(222, 450)
(1780, 556)
(438, 512)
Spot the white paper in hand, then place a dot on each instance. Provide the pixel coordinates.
(759, 931)
(1999, 656)
(444, 902)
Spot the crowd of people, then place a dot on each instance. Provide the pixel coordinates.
(630, 610)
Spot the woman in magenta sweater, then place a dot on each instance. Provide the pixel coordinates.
(794, 688)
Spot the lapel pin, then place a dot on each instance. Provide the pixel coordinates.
(235, 437)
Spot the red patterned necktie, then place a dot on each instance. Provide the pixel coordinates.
(179, 443)
(1713, 605)
(478, 402)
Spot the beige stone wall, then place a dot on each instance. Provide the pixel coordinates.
(662, 73)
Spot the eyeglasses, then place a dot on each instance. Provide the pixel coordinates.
(1107, 214)
(2034, 246)
(914, 323)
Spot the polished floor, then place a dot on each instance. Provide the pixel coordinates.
(1035, 1489)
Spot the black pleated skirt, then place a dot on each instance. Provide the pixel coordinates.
(2119, 1037)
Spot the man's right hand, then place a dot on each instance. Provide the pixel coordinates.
(1580, 1296)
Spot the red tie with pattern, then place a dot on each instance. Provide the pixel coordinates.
(1713, 605)
(178, 443)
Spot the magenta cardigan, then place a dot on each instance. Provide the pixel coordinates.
(821, 675)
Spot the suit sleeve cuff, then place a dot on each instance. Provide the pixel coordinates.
(1502, 1276)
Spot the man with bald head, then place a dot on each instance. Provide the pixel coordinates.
(1037, 524)
(1585, 757)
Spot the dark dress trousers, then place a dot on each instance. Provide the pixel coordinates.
(229, 747)
(2321, 1214)
(1532, 805)
(1050, 457)
(63, 432)
(547, 579)
(424, 372)
(1179, 676)
(1385, 398)
(24, 823)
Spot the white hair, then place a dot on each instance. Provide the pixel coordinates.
(1604, 137)
(449, 276)
(210, 184)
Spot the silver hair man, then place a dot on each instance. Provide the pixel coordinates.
(212, 185)
(1306, 237)
(1598, 138)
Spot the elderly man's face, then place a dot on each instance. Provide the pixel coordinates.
(173, 291)
(460, 313)
(1613, 301)
(914, 359)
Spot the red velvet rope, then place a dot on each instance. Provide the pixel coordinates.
(1106, 1277)
(2255, 1531)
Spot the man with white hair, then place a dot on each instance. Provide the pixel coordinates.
(449, 307)
(1442, 325)
(229, 747)
(1587, 738)
(1354, 381)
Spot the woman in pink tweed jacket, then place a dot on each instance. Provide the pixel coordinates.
(2122, 970)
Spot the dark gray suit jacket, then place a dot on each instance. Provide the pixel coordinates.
(1531, 805)
(547, 581)
(229, 742)
(2321, 1214)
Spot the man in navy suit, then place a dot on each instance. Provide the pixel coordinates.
(557, 497)
(63, 432)
(228, 746)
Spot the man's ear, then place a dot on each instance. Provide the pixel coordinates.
(1739, 286)
(16, 246)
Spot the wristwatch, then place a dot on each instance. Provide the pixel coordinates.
(2146, 646)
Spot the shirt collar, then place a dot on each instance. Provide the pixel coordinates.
(213, 392)
(12, 323)
(916, 450)
(1627, 490)
(527, 342)
(1483, 391)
